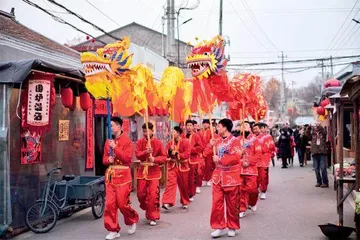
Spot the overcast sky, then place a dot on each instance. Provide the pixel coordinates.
(258, 29)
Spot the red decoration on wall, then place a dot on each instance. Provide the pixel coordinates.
(85, 101)
(36, 103)
(67, 97)
(332, 83)
(30, 147)
(90, 138)
(126, 126)
(101, 108)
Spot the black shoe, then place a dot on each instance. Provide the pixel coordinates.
(284, 167)
(318, 185)
(301, 165)
(324, 186)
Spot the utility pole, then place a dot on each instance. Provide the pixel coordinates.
(332, 67)
(282, 87)
(221, 17)
(322, 74)
(170, 39)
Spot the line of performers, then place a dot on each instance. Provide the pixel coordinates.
(236, 166)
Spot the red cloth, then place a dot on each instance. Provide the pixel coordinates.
(268, 148)
(178, 173)
(118, 184)
(232, 199)
(154, 172)
(292, 146)
(248, 192)
(252, 155)
(226, 181)
(196, 159)
(148, 193)
(263, 178)
(209, 163)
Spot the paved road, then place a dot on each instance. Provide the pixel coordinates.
(293, 210)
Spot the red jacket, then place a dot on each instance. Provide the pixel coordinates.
(181, 160)
(196, 148)
(268, 147)
(252, 155)
(119, 173)
(206, 136)
(227, 170)
(153, 172)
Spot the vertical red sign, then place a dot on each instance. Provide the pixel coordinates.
(90, 138)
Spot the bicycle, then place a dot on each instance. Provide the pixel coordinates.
(65, 196)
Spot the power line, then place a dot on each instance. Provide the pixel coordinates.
(301, 50)
(343, 24)
(58, 19)
(292, 61)
(246, 6)
(289, 68)
(83, 19)
(252, 34)
(102, 13)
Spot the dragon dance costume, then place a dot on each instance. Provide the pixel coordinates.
(148, 177)
(268, 147)
(118, 184)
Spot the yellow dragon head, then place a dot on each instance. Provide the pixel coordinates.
(113, 59)
(207, 58)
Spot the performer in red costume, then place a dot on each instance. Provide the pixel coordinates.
(178, 153)
(251, 154)
(268, 147)
(226, 181)
(196, 151)
(209, 163)
(118, 181)
(149, 173)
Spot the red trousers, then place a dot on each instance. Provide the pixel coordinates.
(180, 179)
(263, 178)
(118, 197)
(148, 193)
(249, 192)
(195, 178)
(220, 196)
(209, 168)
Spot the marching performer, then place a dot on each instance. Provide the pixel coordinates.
(251, 154)
(196, 151)
(209, 163)
(268, 147)
(178, 171)
(118, 181)
(226, 181)
(151, 155)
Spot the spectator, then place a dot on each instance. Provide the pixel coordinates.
(283, 147)
(319, 152)
(133, 130)
(275, 133)
(301, 143)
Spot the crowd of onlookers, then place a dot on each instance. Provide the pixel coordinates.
(288, 141)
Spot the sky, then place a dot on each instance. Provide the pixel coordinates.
(258, 29)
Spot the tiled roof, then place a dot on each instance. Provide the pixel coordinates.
(9, 26)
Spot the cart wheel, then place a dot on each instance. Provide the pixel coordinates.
(41, 218)
(98, 205)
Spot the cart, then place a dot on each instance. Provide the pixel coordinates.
(63, 198)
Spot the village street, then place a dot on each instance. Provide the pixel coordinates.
(293, 210)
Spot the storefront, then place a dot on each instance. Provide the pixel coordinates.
(39, 133)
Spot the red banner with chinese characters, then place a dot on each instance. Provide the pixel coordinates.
(90, 138)
(36, 103)
(30, 147)
(101, 108)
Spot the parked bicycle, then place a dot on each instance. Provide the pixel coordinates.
(65, 196)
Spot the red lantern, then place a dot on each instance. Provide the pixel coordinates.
(85, 101)
(290, 110)
(332, 83)
(320, 111)
(325, 102)
(67, 97)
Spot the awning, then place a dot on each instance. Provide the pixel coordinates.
(17, 71)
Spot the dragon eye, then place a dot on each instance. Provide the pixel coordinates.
(106, 55)
(206, 53)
